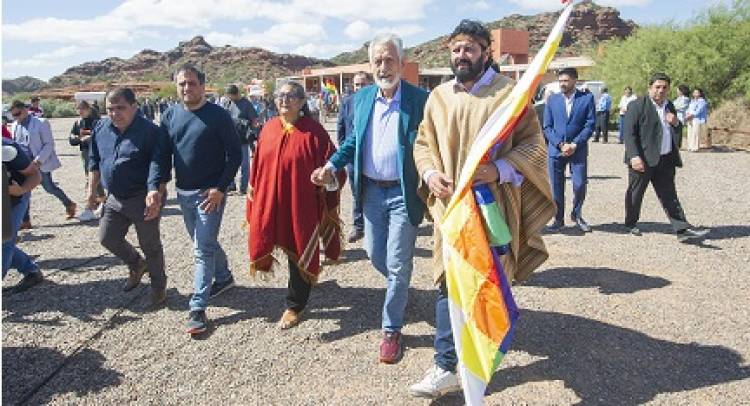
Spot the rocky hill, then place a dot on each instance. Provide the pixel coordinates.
(588, 25)
(22, 84)
(221, 64)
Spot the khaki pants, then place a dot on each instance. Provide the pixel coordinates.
(696, 132)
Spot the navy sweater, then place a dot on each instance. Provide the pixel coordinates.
(204, 145)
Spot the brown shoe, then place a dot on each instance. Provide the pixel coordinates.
(26, 225)
(158, 297)
(70, 210)
(134, 278)
(289, 319)
(390, 347)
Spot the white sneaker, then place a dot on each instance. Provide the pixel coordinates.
(436, 382)
(87, 215)
(99, 210)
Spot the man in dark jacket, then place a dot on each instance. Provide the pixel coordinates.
(652, 155)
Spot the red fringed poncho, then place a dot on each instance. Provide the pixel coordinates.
(284, 208)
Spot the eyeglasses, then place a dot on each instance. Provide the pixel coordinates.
(286, 96)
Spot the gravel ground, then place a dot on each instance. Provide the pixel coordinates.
(609, 319)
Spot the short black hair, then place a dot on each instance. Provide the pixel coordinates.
(628, 88)
(605, 90)
(232, 89)
(572, 72)
(659, 76)
(18, 104)
(684, 89)
(124, 93)
(474, 29)
(83, 104)
(189, 67)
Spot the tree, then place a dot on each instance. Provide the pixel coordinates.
(710, 52)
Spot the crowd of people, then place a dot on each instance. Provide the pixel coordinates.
(400, 147)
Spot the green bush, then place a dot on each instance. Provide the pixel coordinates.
(709, 52)
(54, 108)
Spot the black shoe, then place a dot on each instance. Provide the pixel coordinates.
(691, 234)
(135, 275)
(634, 231)
(219, 288)
(197, 322)
(554, 227)
(356, 235)
(28, 282)
(582, 224)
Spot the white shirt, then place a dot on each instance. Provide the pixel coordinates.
(624, 100)
(666, 132)
(569, 102)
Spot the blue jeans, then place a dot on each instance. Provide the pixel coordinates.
(358, 219)
(210, 259)
(13, 257)
(579, 176)
(52, 188)
(445, 348)
(622, 124)
(389, 242)
(244, 170)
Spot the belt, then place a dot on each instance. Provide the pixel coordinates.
(383, 183)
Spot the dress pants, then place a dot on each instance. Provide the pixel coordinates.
(661, 177)
(117, 217)
(298, 289)
(579, 173)
(602, 125)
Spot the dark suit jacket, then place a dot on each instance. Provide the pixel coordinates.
(345, 122)
(642, 132)
(577, 128)
(413, 100)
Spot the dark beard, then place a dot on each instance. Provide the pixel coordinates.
(464, 74)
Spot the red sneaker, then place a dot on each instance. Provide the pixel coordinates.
(390, 347)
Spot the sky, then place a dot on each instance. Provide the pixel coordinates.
(44, 40)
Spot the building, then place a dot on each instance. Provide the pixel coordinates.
(510, 49)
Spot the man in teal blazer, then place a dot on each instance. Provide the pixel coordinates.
(386, 118)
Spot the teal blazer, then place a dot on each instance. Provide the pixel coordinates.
(413, 100)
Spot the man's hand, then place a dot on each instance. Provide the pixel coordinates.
(14, 189)
(637, 164)
(321, 176)
(36, 162)
(672, 119)
(485, 173)
(568, 149)
(440, 185)
(153, 205)
(213, 199)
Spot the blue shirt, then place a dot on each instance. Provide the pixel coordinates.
(380, 146)
(699, 109)
(605, 103)
(130, 162)
(205, 147)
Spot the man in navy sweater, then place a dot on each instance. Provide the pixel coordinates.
(206, 154)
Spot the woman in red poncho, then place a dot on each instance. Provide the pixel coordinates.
(284, 209)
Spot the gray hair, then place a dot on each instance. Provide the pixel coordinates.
(385, 38)
(297, 90)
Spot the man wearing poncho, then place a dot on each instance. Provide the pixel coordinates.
(517, 175)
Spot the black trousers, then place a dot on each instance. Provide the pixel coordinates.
(602, 125)
(117, 217)
(661, 177)
(298, 290)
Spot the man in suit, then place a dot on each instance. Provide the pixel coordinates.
(386, 119)
(652, 155)
(34, 135)
(568, 125)
(344, 128)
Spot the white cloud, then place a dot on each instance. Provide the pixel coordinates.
(45, 58)
(402, 31)
(322, 50)
(279, 35)
(358, 30)
(389, 10)
(552, 5)
(480, 5)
